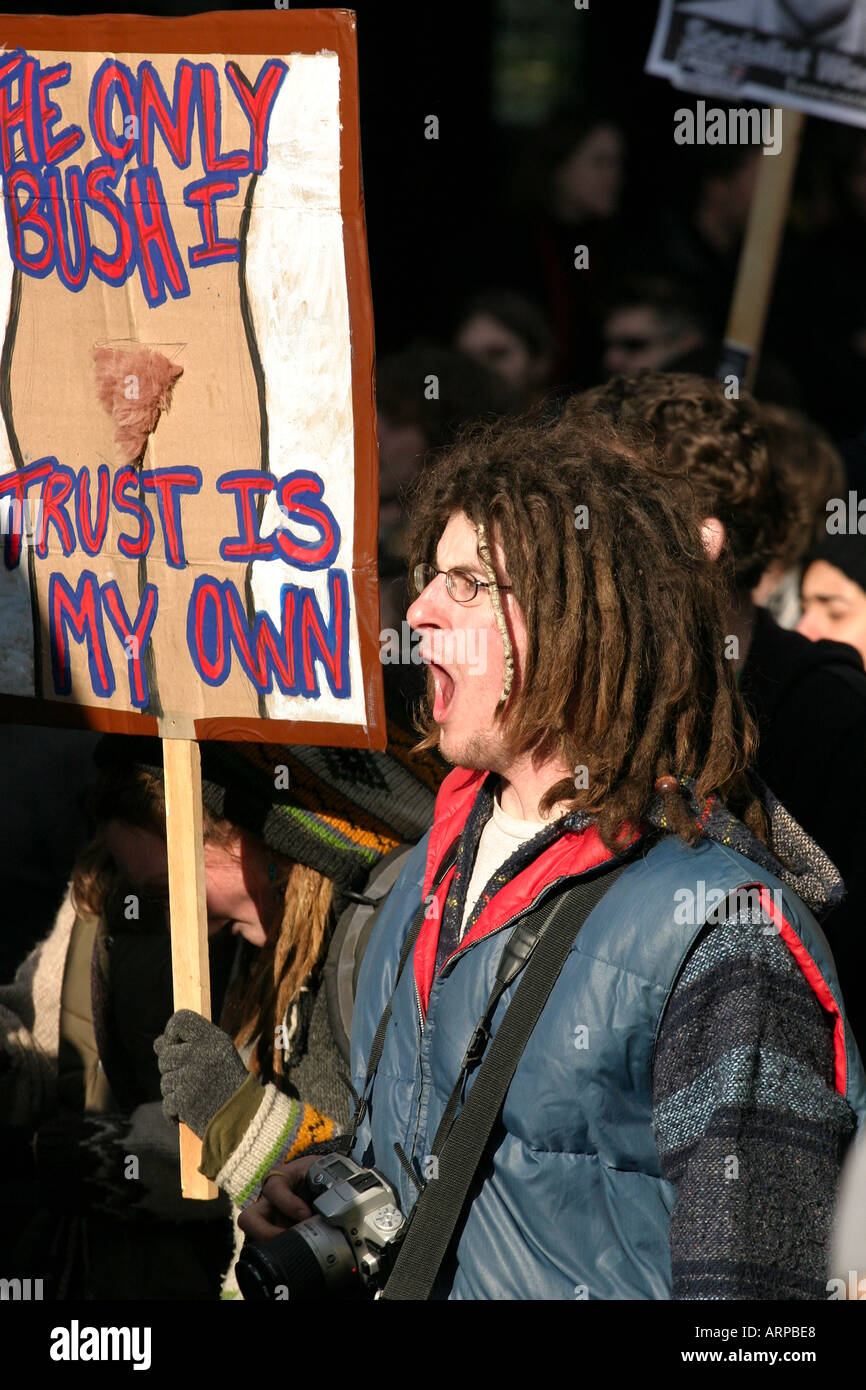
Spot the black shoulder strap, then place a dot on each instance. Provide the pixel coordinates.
(437, 1211)
(378, 1044)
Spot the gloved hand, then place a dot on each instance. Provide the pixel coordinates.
(200, 1069)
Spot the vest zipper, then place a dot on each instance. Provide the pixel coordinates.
(418, 1007)
(530, 907)
(546, 889)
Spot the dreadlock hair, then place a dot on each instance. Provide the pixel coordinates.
(295, 943)
(624, 672)
(720, 444)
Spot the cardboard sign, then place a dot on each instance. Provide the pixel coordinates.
(809, 55)
(187, 459)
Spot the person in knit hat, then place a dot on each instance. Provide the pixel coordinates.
(292, 836)
(833, 592)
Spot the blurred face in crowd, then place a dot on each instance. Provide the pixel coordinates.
(724, 204)
(401, 447)
(588, 182)
(239, 891)
(740, 189)
(833, 607)
(498, 348)
(637, 337)
(463, 648)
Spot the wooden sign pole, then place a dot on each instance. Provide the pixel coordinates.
(757, 267)
(188, 911)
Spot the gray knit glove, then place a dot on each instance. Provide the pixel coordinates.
(200, 1069)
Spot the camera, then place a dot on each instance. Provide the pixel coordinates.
(345, 1252)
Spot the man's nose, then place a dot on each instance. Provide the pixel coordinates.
(427, 609)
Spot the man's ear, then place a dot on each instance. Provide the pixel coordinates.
(713, 536)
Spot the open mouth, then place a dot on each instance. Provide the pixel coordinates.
(444, 691)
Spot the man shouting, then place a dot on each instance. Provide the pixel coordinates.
(675, 1123)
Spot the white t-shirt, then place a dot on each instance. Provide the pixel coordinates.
(501, 836)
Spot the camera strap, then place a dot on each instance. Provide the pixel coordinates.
(540, 953)
(448, 860)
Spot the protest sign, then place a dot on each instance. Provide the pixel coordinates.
(187, 458)
(188, 492)
(808, 55)
(801, 55)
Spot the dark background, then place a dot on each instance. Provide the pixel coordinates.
(441, 226)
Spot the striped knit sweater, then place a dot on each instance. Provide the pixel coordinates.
(748, 1124)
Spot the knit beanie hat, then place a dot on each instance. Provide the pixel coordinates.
(845, 553)
(337, 810)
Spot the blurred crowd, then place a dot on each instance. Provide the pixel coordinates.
(585, 286)
(591, 304)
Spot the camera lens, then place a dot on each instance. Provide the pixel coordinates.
(313, 1260)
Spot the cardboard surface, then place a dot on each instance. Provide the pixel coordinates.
(187, 459)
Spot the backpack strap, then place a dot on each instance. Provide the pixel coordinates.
(349, 942)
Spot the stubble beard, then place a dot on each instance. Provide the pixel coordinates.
(478, 752)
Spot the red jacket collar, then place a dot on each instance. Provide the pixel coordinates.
(573, 853)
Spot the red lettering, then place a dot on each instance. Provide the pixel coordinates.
(257, 104)
(331, 642)
(307, 554)
(73, 208)
(168, 484)
(134, 636)
(92, 537)
(112, 80)
(72, 138)
(27, 217)
(248, 544)
(21, 114)
(113, 268)
(54, 495)
(213, 161)
(158, 256)
(268, 653)
(204, 194)
(124, 478)
(206, 593)
(175, 124)
(81, 611)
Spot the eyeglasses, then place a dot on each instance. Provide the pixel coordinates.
(461, 585)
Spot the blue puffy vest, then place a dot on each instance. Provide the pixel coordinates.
(571, 1203)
